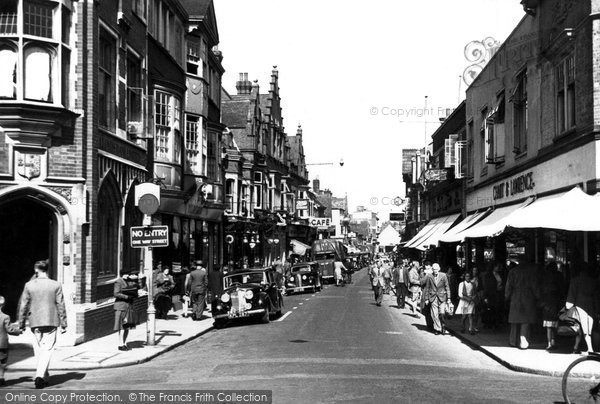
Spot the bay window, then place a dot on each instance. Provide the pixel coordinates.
(167, 126)
(34, 51)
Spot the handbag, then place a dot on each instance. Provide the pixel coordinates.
(449, 309)
(568, 323)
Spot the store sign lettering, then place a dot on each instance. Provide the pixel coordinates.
(514, 186)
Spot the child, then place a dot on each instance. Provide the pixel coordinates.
(5, 328)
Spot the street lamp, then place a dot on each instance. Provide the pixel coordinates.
(341, 163)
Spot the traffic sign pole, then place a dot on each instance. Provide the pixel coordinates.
(151, 312)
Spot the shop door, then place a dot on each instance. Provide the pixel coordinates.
(27, 235)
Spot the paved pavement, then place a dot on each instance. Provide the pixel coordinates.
(103, 352)
(332, 346)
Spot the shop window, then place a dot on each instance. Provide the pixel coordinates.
(565, 75)
(39, 69)
(8, 72)
(107, 53)
(38, 18)
(8, 17)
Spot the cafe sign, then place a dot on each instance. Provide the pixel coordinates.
(514, 186)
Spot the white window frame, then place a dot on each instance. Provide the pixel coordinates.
(170, 123)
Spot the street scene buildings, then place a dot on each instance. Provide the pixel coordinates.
(141, 187)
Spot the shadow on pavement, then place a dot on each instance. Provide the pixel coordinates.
(65, 377)
(22, 379)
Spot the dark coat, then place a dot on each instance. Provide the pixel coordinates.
(552, 296)
(523, 293)
(43, 303)
(584, 293)
(197, 281)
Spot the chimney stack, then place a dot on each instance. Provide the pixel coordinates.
(243, 86)
(316, 185)
(255, 88)
(299, 131)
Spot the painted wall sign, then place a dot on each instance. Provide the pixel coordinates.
(514, 186)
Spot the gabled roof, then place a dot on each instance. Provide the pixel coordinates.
(204, 11)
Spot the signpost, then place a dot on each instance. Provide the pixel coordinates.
(149, 236)
(147, 199)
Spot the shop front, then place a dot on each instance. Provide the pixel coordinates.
(540, 214)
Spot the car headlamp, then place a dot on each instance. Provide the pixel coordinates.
(249, 295)
(225, 297)
(303, 277)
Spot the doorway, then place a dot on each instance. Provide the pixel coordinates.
(27, 235)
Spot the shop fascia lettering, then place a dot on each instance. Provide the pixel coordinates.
(514, 186)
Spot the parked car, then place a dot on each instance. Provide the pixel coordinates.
(302, 277)
(248, 293)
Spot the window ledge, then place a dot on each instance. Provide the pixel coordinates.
(121, 138)
(520, 155)
(564, 134)
(483, 172)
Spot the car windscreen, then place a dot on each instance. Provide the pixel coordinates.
(243, 278)
(303, 268)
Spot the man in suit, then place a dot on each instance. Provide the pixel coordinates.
(401, 280)
(196, 283)
(378, 282)
(437, 293)
(42, 302)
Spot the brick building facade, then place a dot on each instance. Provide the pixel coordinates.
(92, 96)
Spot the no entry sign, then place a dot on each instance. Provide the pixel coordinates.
(149, 236)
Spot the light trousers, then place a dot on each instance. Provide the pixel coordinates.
(44, 342)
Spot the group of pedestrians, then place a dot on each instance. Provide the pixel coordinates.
(423, 288)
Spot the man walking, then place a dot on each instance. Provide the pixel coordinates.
(196, 283)
(378, 282)
(43, 303)
(437, 293)
(401, 278)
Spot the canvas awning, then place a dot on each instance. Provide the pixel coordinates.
(453, 235)
(573, 210)
(438, 231)
(424, 232)
(495, 223)
(299, 247)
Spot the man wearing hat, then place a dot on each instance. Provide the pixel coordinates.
(196, 283)
(437, 293)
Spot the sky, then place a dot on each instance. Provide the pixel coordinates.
(356, 75)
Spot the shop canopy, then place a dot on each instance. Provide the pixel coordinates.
(573, 210)
(432, 232)
(454, 234)
(495, 223)
(299, 247)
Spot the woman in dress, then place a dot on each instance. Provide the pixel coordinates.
(466, 292)
(125, 290)
(583, 294)
(477, 297)
(162, 294)
(552, 300)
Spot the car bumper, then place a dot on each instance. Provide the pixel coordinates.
(300, 288)
(240, 314)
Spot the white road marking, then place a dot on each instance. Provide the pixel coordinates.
(391, 332)
(284, 316)
(307, 300)
(294, 308)
(300, 303)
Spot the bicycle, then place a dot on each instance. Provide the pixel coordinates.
(581, 380)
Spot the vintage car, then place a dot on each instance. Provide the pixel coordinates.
(302, 277)
(248, 293)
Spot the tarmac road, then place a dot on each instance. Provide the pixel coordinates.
(335, 346)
